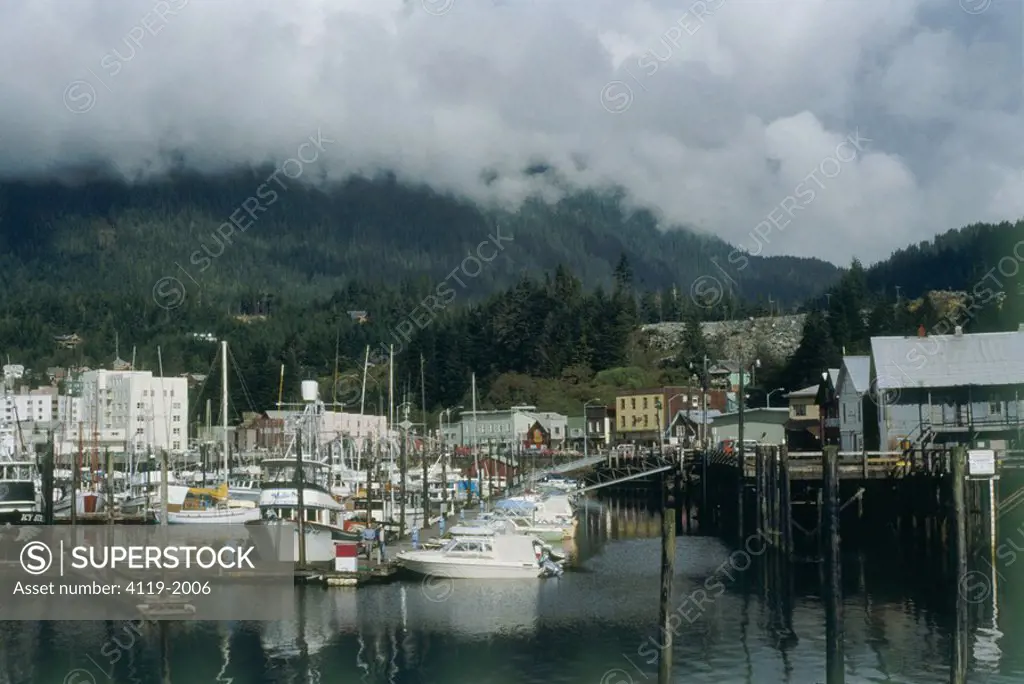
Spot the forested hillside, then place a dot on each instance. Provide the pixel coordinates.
(305, 243)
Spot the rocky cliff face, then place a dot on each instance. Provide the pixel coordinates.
(767, 337)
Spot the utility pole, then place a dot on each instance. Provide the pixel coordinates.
(740, 456)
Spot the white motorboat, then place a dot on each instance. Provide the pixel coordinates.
(463, 531)
(499, 556)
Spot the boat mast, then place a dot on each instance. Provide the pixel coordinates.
(476, 460)
(362, 397)
(224, 402)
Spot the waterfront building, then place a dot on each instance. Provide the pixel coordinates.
(357, 428)
(497, 431)
(803, 429)
(855, 402)
(765, 425)
(828, 403)
(133, 410)
(946, 389)
(643, 416)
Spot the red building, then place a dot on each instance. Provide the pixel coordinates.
(496, 466)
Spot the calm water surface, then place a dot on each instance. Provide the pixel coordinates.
(594, 625)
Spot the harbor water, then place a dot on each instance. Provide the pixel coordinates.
(597, 624)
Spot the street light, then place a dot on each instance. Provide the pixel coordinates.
(768, 399)
(585, 423)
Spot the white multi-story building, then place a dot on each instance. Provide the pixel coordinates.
(35, 406)
(136, 409)
(338, 424)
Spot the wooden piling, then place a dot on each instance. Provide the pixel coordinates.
(759, 489)
(705, 509)
(786, 502)
(165, 650)
(108, 467)
(834, 657)
(958, 474)
(668, 555)
(687, 493)
(48, 466)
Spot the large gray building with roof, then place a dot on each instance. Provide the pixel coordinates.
(959, 388)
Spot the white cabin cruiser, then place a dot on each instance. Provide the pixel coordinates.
(500, 556)
(462, 531)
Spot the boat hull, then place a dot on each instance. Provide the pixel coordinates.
(214, 517)
(449, 570)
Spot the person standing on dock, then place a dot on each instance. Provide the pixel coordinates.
(440, 526)
(382, 553)
(415, 539)
(369, 540)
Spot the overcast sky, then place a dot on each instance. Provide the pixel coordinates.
(711, 113)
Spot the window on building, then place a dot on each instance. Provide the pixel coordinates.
(632, 403)
(623, 421)
(622, 404)
(140, 406)
(558, 431)
(176, 405)
(139, 431)
(646, 419)
(995, 407)
(645, 403)
(177, 431)
(176, 445)
(800, 410)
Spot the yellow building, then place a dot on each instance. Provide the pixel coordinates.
(645, 414)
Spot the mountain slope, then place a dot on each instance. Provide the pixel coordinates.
(106, 235)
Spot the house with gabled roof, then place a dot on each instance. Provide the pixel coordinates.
(853, 389)
(945, 389)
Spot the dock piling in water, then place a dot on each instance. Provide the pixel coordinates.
(668, 556)
(834, 660)
(957, 481)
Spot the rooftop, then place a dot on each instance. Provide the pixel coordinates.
(859, 370)
(934, 361)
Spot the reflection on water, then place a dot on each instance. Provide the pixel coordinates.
(596, 625)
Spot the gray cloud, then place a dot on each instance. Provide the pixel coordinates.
(731, 104)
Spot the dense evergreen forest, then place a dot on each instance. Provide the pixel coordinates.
(550, 321)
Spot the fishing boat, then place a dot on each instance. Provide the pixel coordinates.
(280, 485)
(19, 500)
(499, 556)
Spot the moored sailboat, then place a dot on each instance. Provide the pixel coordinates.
(214, 506)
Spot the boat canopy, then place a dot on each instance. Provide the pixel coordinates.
(512, 505)
(467, 531)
